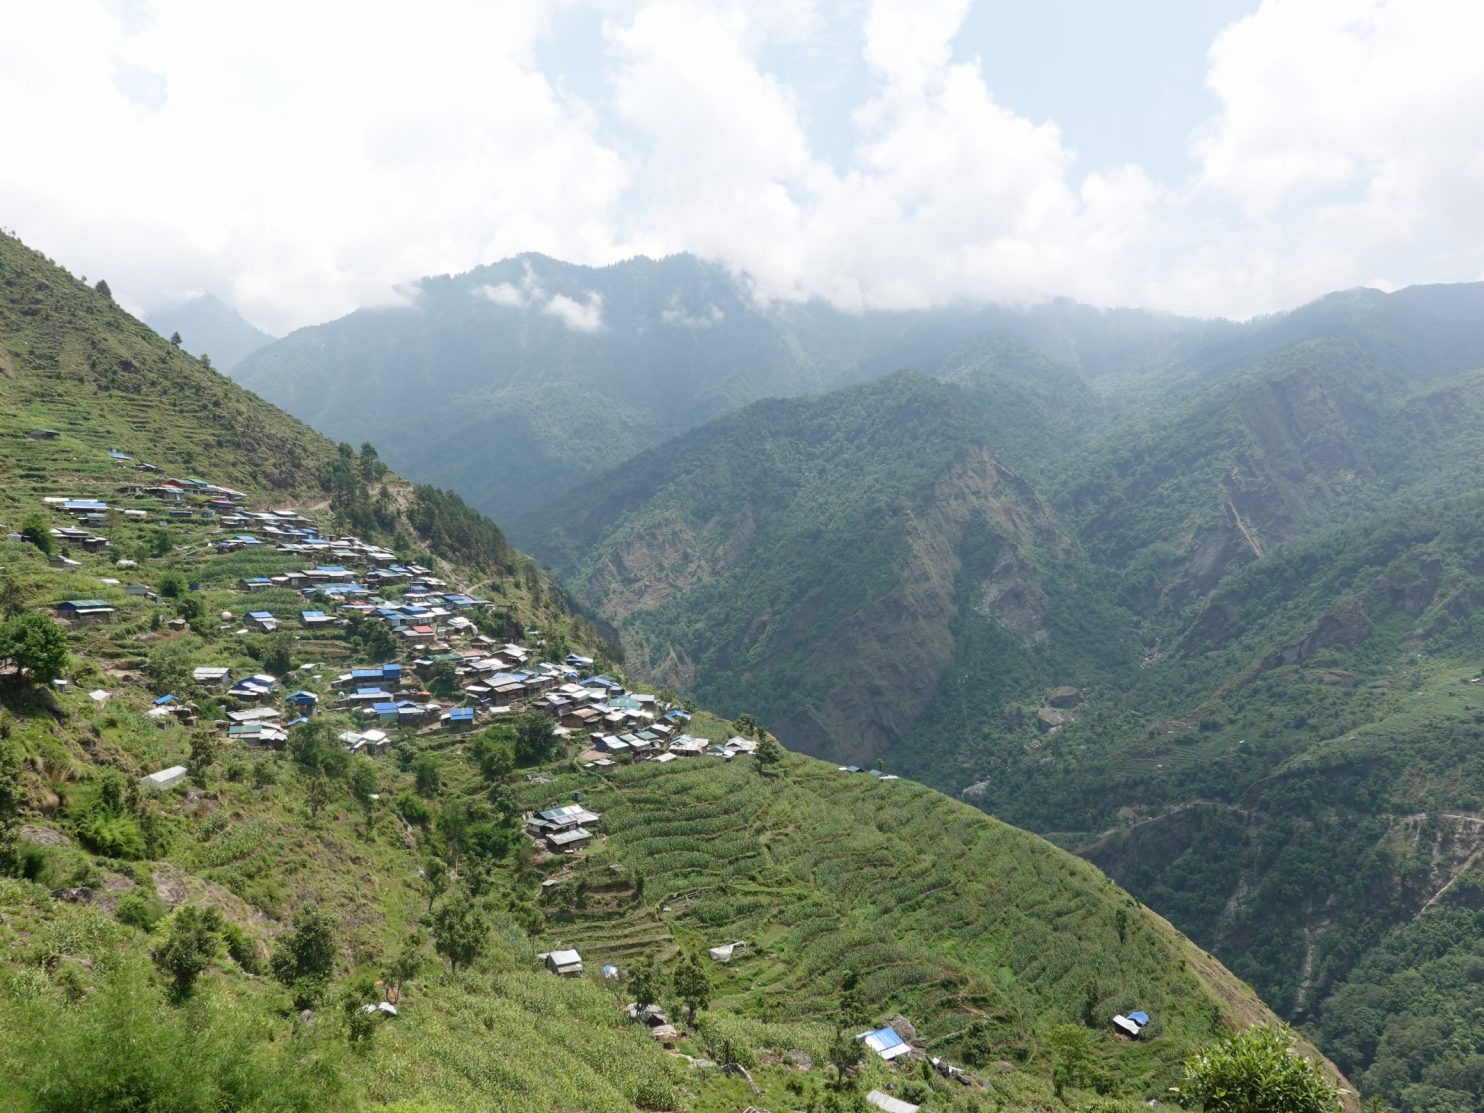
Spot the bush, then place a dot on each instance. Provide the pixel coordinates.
(36, 530)
(111, 834)
(915, 1092)
(654, 1094)
(140, 908)
(413, 810)
(1256, 1071)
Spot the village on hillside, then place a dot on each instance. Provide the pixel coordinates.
(441, 670)
(400, 653)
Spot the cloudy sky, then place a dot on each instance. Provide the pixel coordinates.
(303, 157)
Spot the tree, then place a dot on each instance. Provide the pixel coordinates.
(644, 982)
(425, 777)
(102, 288)
(304, 958)
(175, 340)
(845, 1051)
(769, 754)
(316, 750)
(444, 680)
(169, 666)
(855, 1010)
(316, 794)
(745, 725)
(205, 361)
(277, 659)
(405, 965)
(193, 938)
(159, 543)
(1073, 1063)
(493, 751)
(692, 985)
(1256, 1071)
(35, 646)
(203, 753)
(435, 879)
(534, 737)
(12, 595)
(35, 530)
(459, 930)
(377, 640)
(171, 585)
(363, 788)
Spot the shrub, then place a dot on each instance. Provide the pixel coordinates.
(140, 908)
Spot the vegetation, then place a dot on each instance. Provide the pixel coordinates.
(992, 944)
(1256, 1071)
(1256, 567)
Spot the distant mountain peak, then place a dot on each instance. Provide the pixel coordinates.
(208, 325)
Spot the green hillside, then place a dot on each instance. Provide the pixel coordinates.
(1223, 646)
(213, 944)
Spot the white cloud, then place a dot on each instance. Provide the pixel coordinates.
(677, 316)
(949, 196)
(585, 315)
(303, 158)
(1350, 141)
(579, 316)
(504, 293)
(306, 157)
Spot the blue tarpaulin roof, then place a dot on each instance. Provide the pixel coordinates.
(1139, 1018)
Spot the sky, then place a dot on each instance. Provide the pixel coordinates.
(301, 158)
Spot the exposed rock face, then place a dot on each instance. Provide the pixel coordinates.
(1066, 697)
(1013, 597)
(898, 644)
(1049, 719)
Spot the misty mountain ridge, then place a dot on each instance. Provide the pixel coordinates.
(210, 326)
(571, 369)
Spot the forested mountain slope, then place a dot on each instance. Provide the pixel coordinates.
(214, 943)
(806, 560)
(1231, 661)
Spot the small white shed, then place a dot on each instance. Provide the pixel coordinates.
(165, 778)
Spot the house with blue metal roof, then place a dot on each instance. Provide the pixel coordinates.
(886, 1043)
(305, 703)
(86, 612)
(458, 718)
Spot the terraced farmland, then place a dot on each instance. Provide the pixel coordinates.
(946, 915)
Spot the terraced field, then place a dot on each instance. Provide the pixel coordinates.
(946, 915)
